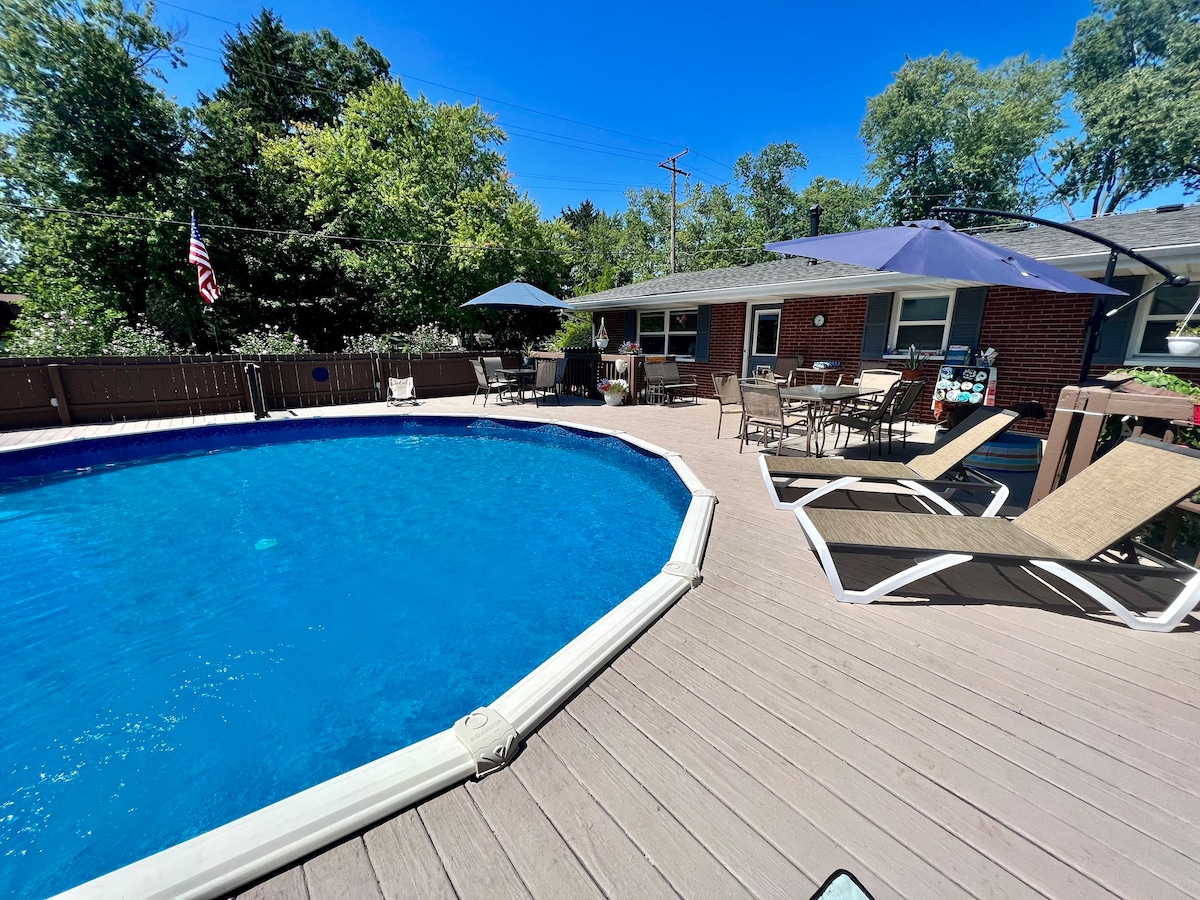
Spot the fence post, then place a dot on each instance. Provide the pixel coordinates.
(60, 394)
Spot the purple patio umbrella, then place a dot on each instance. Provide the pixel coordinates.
(933, 247)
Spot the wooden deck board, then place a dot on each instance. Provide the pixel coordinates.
(405, 861)
(761, 735)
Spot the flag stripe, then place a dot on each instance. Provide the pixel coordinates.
(198, 256)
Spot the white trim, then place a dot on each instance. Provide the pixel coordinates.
(777, 311)
(224, 859)
(894, 326)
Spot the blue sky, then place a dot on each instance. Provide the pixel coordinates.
(594, 95)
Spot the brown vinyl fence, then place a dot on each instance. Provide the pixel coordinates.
(40, 392)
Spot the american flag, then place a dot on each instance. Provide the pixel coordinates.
(198, 256)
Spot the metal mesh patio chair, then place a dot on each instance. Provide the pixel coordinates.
(794, 481)
(1076, 540)
(762, 407)
(729, 398)
(867, 420)
(545, 380)
(499, 386)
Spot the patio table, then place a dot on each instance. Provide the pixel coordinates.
(522, 376)
(816, 397)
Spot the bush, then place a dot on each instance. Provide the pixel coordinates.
(140, 339)
(269, 340)
(429, 339)
(63, 332)
(366, 343)
(575, 333)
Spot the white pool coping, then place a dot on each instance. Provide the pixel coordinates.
(230, 856)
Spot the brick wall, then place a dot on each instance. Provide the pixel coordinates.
(1039, 337)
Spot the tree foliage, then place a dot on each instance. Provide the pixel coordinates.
(946, 132)
(1134, 74)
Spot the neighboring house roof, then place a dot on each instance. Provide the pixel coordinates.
(1169, 236)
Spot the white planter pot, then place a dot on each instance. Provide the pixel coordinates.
(612, 398)
(1184, 346)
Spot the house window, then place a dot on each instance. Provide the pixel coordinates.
(668, 332)
(766, 333)
(1158, 316)
(921, 321)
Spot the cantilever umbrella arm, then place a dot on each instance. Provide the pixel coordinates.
(1098, 314)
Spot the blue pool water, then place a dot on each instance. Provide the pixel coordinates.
(185, 641)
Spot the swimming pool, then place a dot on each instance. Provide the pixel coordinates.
(326, 574)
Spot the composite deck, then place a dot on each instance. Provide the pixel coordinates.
(761, 735)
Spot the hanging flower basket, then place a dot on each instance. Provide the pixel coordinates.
(1183, 344)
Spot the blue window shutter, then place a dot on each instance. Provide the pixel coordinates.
(631, 325)
(875, 330)
(968, 316)
(1114, 333)
(703, 327)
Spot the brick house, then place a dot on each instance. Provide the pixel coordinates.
(730, 320)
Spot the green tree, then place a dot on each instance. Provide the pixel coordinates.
(590, 240)
(279, 82)
(846, 206)
(946, 132)
(424, 191)
(1134, 75)
(765, 179)
(89, 133)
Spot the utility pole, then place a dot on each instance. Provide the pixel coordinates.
(669, 165)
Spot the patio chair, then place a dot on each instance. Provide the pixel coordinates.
(401, 390)
(784, 370)
(868, 420)
(1076, 540)
(930, 475)
(664, 383)
(500, 386)
(763, 407)
(546, 380)
(901, 410)
(729, 398)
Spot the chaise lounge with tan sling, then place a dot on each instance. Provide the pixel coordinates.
(1079, 537)
(926, 475)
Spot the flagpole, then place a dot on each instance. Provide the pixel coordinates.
(216, 335)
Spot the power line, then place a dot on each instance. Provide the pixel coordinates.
(213, 226)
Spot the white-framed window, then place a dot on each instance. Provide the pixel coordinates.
(1157, 316)
(921, 320)
(765, 332)
(670, 332)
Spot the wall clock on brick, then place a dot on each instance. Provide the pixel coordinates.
(819, 320)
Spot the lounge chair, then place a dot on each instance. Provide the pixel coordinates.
(401, 390)
(664, 383)
(763, 408)
(927, 474)
(729, 397)
(1076, 538)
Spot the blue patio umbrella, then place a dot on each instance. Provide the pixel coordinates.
(933, 247)
(518, 295)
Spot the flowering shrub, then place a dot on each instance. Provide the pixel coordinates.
(366, 343)
(429, 339)
(613, 386)
(63, 332)
(630, 348)
(269, 340)
(140, 339)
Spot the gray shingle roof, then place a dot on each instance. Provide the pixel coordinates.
(1138, 230)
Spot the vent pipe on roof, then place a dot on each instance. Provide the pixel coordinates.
(814, 219)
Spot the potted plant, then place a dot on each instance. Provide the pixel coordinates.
(527, 354)
(1185, 340)
(614, 390)
(630, 348)
(912, 362)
